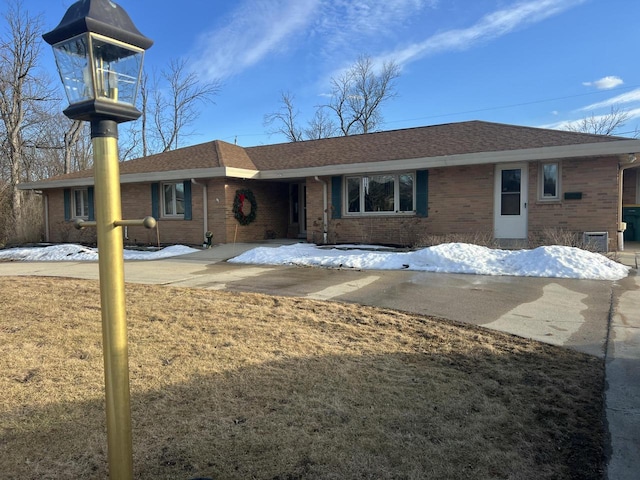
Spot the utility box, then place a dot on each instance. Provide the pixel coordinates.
(599, 241)
(631, 215)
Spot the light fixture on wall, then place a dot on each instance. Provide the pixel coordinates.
(632, 157)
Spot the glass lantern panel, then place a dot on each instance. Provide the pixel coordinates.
(117, 68)
(72, 61)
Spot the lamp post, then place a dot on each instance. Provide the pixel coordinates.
(99, 54)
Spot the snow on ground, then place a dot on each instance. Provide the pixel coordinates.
(78, 253)
(551, 261)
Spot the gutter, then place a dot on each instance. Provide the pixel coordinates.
(205, 211)
(325, 206)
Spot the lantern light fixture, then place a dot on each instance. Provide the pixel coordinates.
(99, 54)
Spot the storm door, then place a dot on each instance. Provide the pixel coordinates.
(510, 204)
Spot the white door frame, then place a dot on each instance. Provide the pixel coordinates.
(512, 220)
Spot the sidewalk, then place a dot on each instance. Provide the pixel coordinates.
(622, 396)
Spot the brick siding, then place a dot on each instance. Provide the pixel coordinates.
(460, 202)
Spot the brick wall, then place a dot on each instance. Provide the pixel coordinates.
(597, 180)
(272, 199)
(461, 203)
(61, 231)
(271, 221)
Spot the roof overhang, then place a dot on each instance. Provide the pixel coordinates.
(167, 176)
(600, 149)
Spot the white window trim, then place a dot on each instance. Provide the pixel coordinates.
(396, 195)
(558, 195)
(84, 214)
(163, 212)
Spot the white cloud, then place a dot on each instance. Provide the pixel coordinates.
(344, 23)
(622, 99)
(256, 29)
(259, 28)
(492, 25)
(605, 83)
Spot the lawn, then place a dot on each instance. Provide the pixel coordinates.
(245, 386)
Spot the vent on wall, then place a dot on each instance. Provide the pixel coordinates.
(598, 241)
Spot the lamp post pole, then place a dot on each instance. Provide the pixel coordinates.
(99, 54)
(104, 136)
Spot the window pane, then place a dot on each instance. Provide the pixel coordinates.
(510, 204)
(406, 193)
(168, 200)
(179, 198)
(379, 194)
(511, 181)
(550, 173)
(353, 194)
(81, 201)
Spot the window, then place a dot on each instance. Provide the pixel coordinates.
(376, 194)
(173, 199)
(549, 188)
(511, 192)
(81, 203)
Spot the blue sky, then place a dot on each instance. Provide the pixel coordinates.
(527, 62)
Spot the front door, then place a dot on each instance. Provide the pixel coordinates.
(510, 205)
(298, 208)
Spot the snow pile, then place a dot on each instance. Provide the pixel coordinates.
(78, 253)
(550, 261)
(554, 261)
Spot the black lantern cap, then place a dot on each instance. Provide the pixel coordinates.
(103, 17)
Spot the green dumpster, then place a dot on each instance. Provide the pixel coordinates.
(631, 215)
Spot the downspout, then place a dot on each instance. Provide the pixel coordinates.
(205, 211)
(629, 164)
(325, 207)
(46, 217)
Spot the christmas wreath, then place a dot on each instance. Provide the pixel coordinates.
(238, 207)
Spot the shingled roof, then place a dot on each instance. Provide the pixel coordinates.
(421, 142)
(416, 146)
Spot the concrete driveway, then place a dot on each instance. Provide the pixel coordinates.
(571, 313)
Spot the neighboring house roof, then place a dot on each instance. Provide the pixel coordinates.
(463, 143)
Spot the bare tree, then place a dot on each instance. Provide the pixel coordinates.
(602, 124)
(359, 92)
(174, 111)
(71, 138)
(357, 97)
(169, 105)
(320, 126)
(285, 119)
(21, 90)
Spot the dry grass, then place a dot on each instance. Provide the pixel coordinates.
(243, 386)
